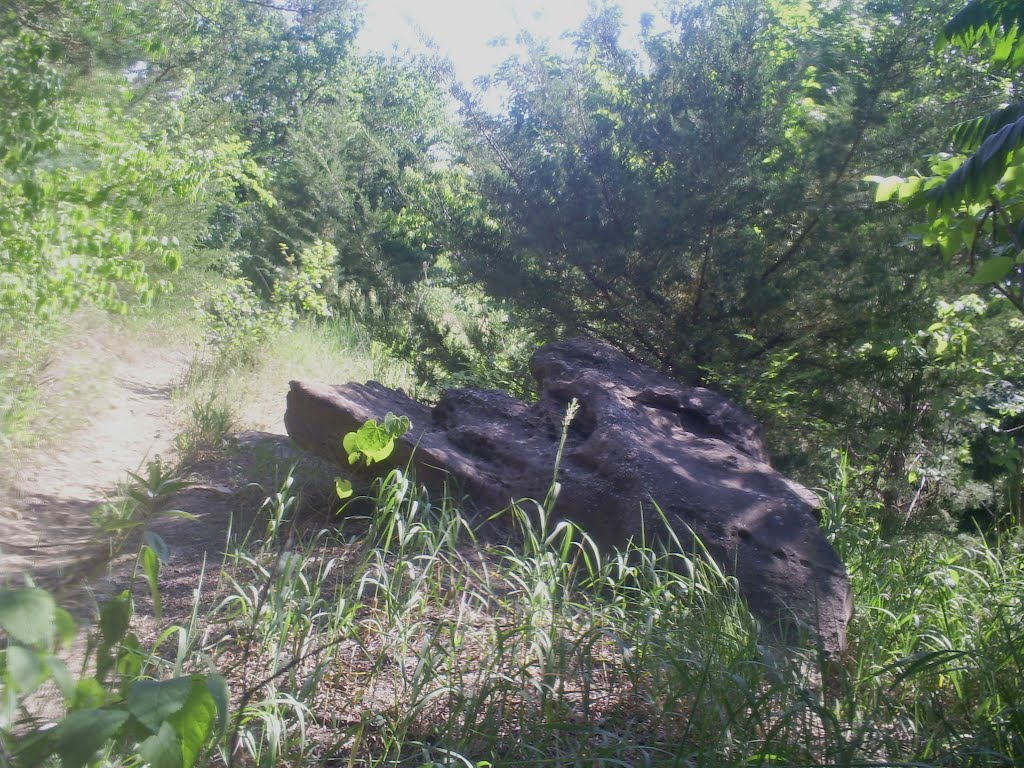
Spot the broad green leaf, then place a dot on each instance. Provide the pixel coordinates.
(982, 20)
(974, 179)
(130, 657)
(396, 426)
(379, 453)
(28, 615)
(163, 748)
(195, 722)
(910, 188)
(114, 618)
(153, 701)
(25, 669)
(89, 693)
(888, 186)
(33, 748)
(949, 242)
(82, 733)
(66, 627)
(342, 487)
(158, 545)
(62, 677)
(352, 440)
(969, 135)
(371, 441)
(218, 688)
(993, 270)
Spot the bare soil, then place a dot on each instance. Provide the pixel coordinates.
(117, 426)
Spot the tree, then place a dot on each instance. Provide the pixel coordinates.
(89, 182)
(973, 196)
(699, 204)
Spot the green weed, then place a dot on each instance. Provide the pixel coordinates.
(209, 430)
(411, 643)
(398, 637)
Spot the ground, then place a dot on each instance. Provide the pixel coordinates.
(45, 521)
(115, 407)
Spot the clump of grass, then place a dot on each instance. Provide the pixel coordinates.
(400, 638)
(208, 432)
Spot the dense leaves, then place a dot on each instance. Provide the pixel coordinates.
(699, 201)
(700, 205)
(974, 199)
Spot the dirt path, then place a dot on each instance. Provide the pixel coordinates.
(45, 528)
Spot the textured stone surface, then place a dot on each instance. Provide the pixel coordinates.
(638, 438)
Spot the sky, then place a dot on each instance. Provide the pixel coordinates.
(462, 28)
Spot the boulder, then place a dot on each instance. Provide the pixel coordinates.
(639, 439)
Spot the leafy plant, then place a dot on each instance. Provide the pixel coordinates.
(163, 722)
(87, 182)
(209, 430)
(973, 195)
(375, 442)
(372, 443)
(138, 505)
(239, 321)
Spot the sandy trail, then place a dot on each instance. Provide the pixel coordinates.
(45, 528)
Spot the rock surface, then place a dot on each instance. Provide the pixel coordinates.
(638, 438)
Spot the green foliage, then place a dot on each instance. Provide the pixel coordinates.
(211, 426)
(28, 616)
(418, 642)
(375, 442)
(971, 134)
(369, 173)
(973, 201)
(140, 502)
(699, 203)
(166, 723)
(670, 205)
(595, 654)
(995, 22)
(115, 709)
(973, 196)
(84, 187)
(239, 321)
(119, 705)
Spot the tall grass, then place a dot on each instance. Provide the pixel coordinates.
(253, 385)
(395, 634)
(398, 638)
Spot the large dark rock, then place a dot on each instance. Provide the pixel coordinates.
(638, 438)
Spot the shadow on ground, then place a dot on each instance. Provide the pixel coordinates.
(52, 540)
